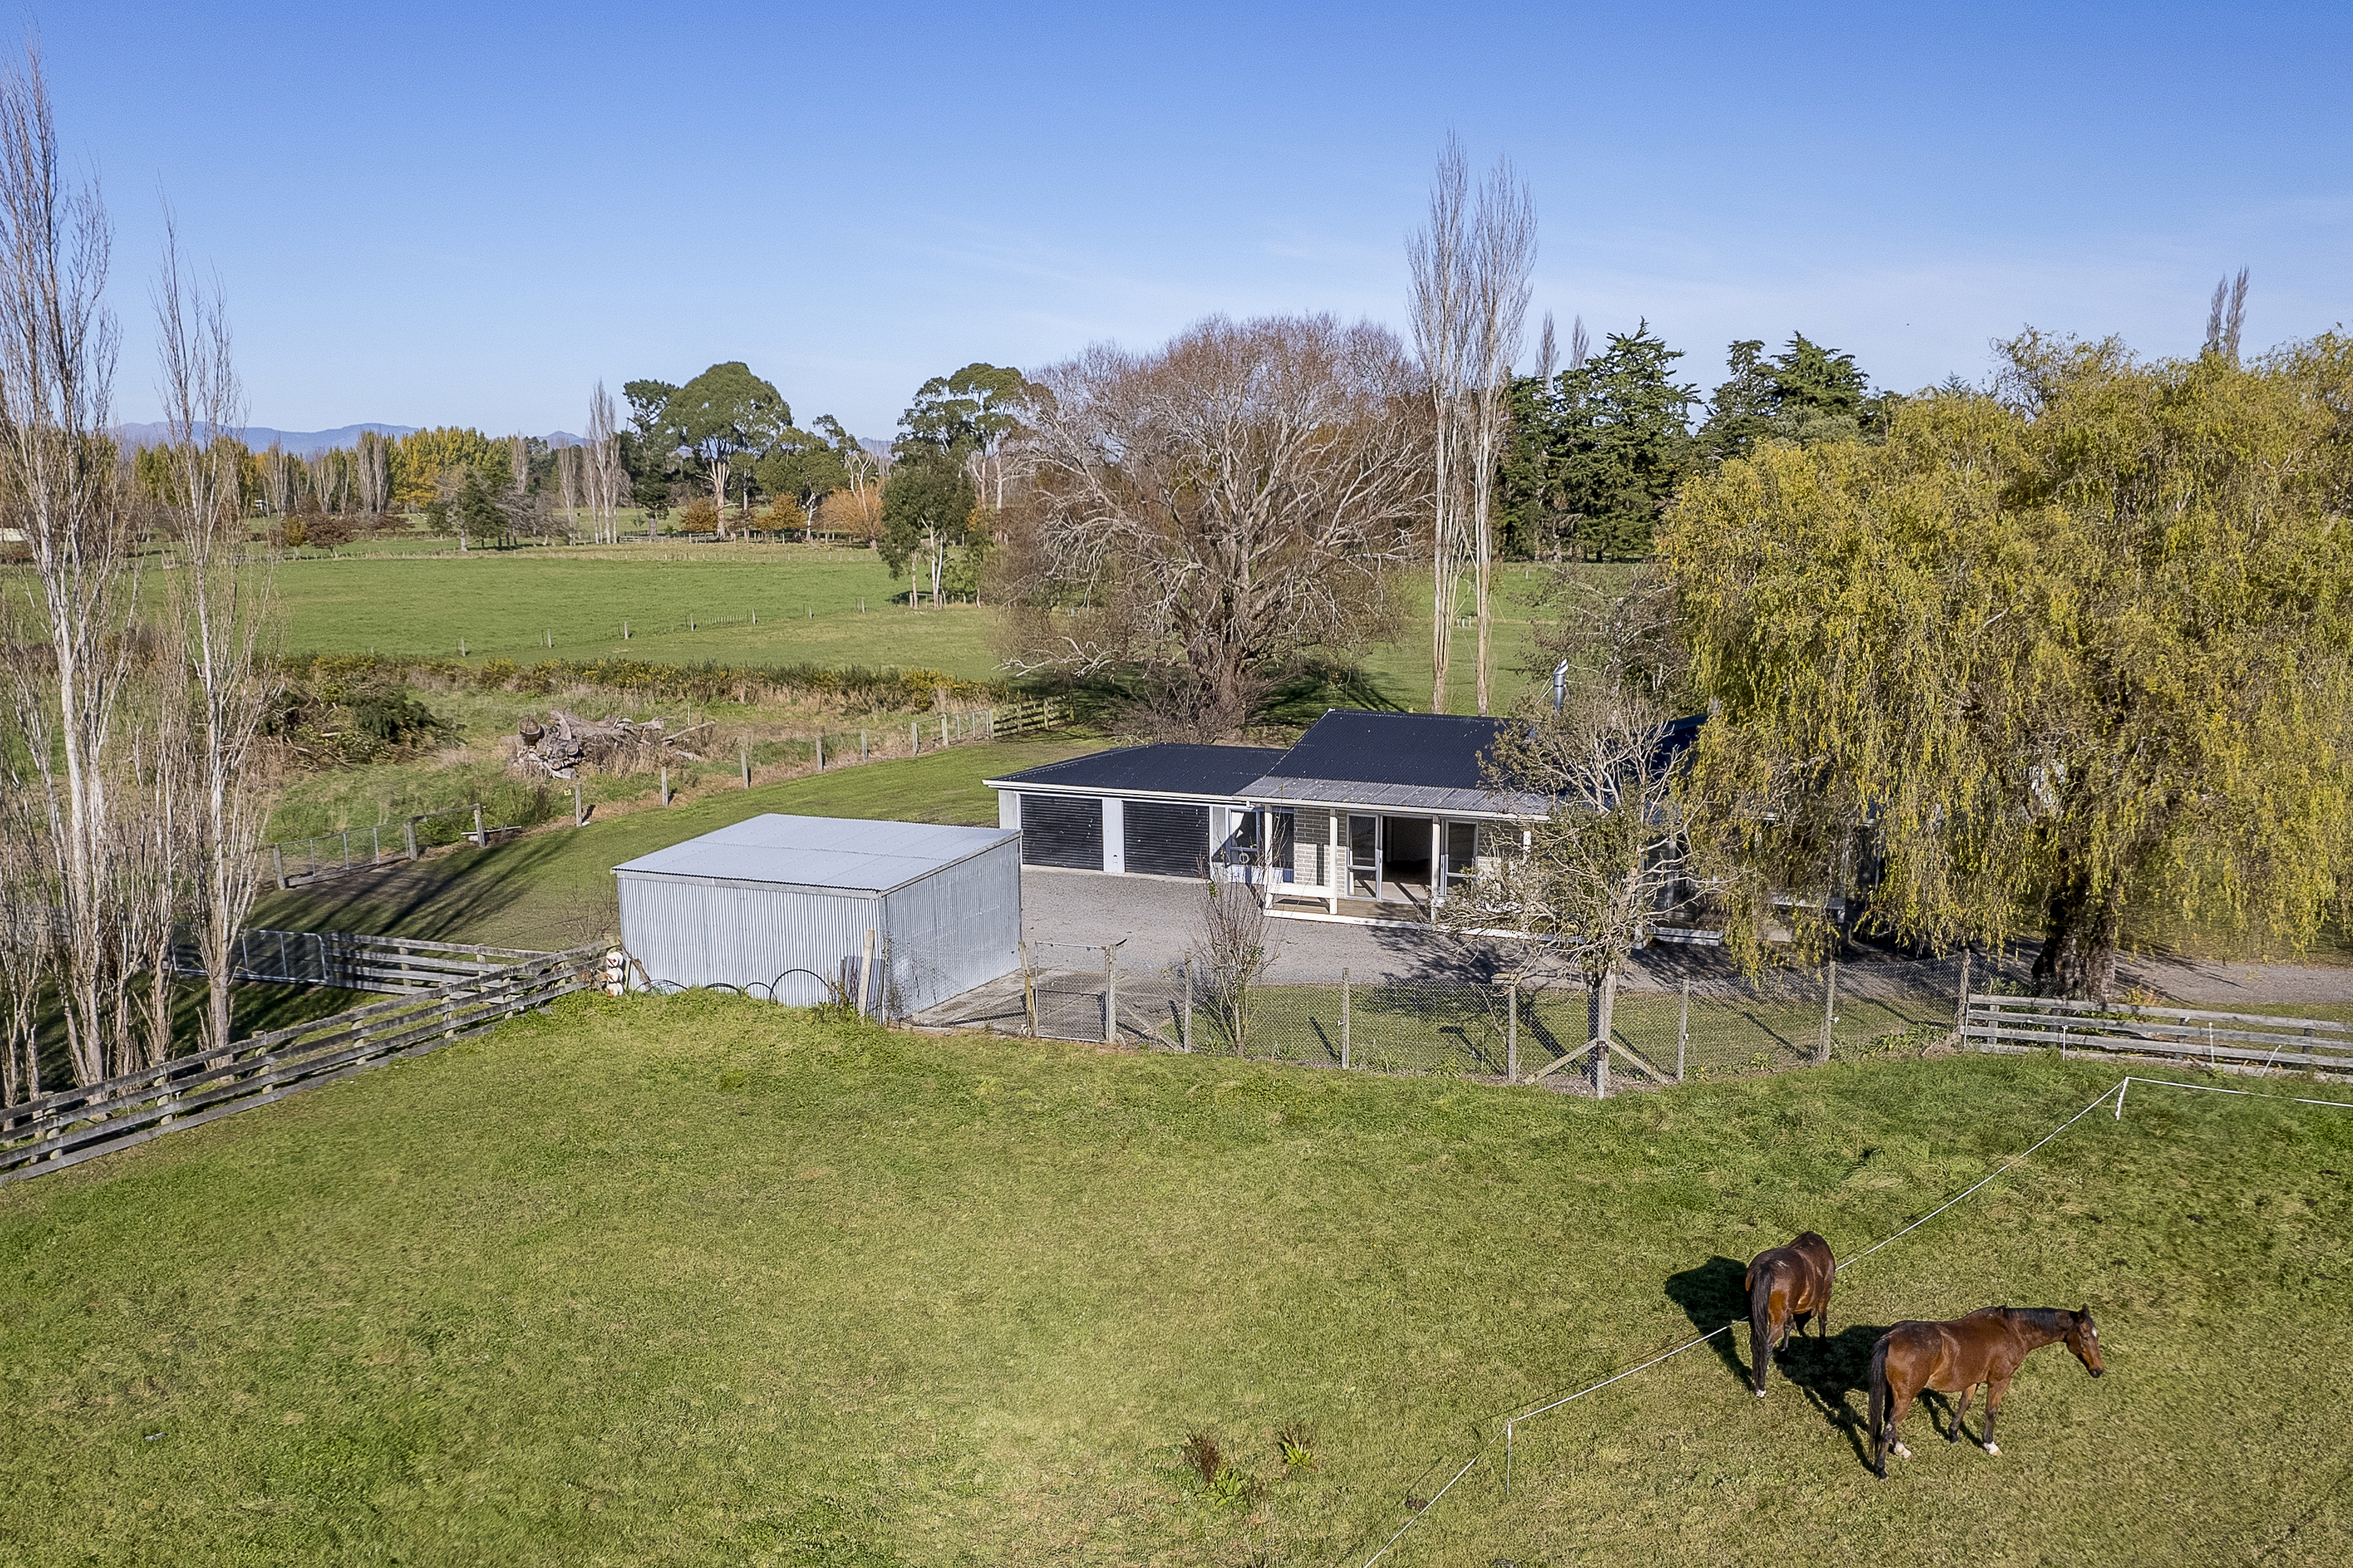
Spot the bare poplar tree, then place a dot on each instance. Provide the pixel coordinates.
(2226, 315)
(1503, 256)
(1440, 305)
(567, 484)
(372, 469)
(319, 472)
(276, 478)
(61, 487)
(604, 466)
(28, 937)
(1548, 353)
(220, 605)
(155, 837)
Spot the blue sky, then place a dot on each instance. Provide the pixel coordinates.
(445, 214)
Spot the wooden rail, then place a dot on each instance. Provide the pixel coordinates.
(69, 1126)
(2226, 1041)
(395, 965)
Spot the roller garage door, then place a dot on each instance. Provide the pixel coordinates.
(1061, 830)
(1164, 839)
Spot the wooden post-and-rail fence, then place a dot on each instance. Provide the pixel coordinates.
(2245, 1042)
(69, 1126)
(395, 965)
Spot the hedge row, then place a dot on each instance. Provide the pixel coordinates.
(856, 686)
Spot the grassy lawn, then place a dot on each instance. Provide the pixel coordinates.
(535, 891)
(699, 1280)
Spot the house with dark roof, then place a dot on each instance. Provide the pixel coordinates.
(1369, 816)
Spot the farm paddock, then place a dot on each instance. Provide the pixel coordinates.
(695, 1280)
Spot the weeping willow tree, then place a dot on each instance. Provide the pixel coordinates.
(2054, 653)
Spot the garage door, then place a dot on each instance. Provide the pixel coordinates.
(1057, 830)
(1166, 840)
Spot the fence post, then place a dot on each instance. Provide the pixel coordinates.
(1111, 998)
(481, 838)
(278, 858)
(1961, 1012)
(820, 752)
(1188, 1033)
(1511, 1031)
(1683, 1030)
(865, 972)
(579, 811)
(862, 745)
(665, 786)
(1830, 1012)
(744, 756)
(1601, 1069)
(1028, 990)
(1344, 1019)
(409, 836)
(914, 737)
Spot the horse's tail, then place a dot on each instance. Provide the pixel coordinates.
(1878, 1392)
(1760, 1324)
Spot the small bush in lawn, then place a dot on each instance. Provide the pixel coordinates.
(1297, 1446)
(1223, 1482)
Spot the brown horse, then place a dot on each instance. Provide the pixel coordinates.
(1784, 1284)
(1984, 1347)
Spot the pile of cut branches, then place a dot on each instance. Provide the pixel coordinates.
(568, 744)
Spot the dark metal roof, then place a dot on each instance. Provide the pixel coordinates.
(1216, 770)
(1431, 751)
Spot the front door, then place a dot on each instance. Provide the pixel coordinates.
(1365, 854)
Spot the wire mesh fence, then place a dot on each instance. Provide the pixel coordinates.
(1725, 1028)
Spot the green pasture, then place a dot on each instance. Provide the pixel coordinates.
(694, 602)
(700, 1280)
(682, 603)
(555, 888)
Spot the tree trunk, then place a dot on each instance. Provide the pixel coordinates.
(2082, 931)
(1600, 1022)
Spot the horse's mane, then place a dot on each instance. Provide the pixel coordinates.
(2050, 1320)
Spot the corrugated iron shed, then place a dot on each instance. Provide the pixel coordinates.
(781, 906)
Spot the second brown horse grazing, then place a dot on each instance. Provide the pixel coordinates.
(1784, 1284)
(1986, 1347)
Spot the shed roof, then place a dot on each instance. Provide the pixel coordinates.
(850, 854)
(1211, 770)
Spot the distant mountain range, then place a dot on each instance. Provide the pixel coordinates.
(300, 444)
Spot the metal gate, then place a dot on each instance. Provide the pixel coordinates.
(1165, 839)
(1058, 830)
